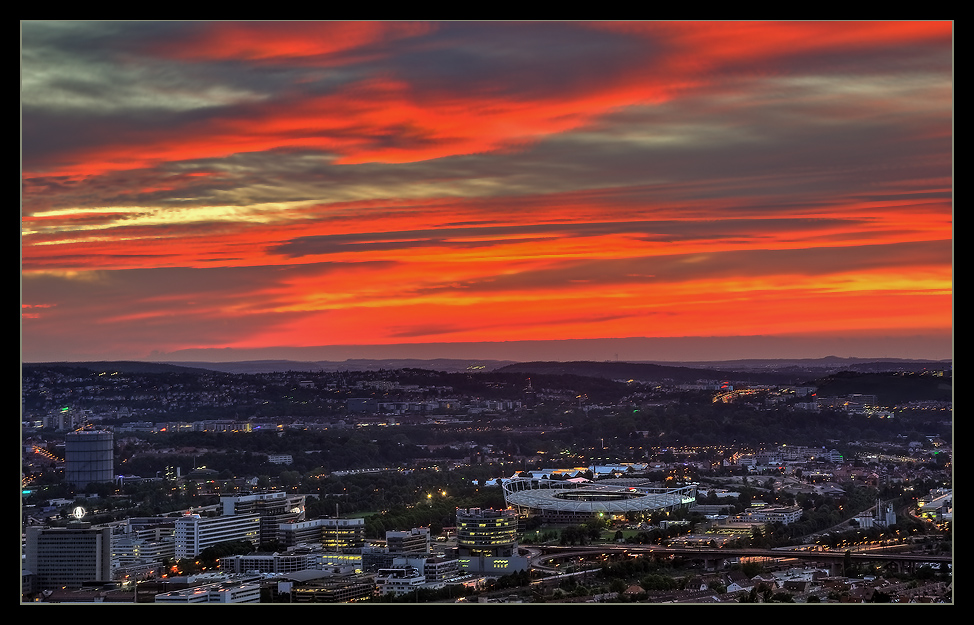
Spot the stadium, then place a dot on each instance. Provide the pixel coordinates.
(571, 502)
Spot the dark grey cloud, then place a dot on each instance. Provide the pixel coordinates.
(490, 235)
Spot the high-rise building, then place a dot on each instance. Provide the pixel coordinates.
(486, 532)
(486, 541)
(343, 535)
(69, 556)
(335, 535)
(275, 509)
(88, 457)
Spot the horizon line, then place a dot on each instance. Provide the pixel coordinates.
(937, 347)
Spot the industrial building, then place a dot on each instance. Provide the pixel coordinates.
(88, 457)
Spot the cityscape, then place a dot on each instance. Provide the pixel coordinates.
(830, 482)
(487, 312)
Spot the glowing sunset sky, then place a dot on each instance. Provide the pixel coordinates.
(196, 186)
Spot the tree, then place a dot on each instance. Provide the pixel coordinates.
(290, 478)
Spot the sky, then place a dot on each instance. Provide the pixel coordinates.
(235, 190)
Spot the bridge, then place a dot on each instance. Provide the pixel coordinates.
(713, 556)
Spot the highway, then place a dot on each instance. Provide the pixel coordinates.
(542, 556)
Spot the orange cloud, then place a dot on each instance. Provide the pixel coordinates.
(717, 178)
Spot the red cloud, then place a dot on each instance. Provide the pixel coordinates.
(277, 41)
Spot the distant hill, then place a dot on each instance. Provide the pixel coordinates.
(827, 364)
(890, 388)
(278, 366)
(754, 371)
(648, 372)
(122, 366)
(359, 364)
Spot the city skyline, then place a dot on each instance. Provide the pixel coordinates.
(192, 189)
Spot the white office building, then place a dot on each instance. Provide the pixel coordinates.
(226, 592)
(773, 515)
(130, 549)
(300, 559)
(399, 580)
(194, 533)
(436, 570)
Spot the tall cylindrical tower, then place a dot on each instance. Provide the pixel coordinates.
(486, 532)
(88, 457)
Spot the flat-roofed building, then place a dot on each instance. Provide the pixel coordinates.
(414, 541)
(336, 535)
(332, 589)
(130, 549)
(436, 569)
(194, 533)
(224, 592)
(773, 515)
(486, 541)
(300, 533)
(486, 532)
(293, 560)
(343, 535)
(275, 509)
(69, 556)
(399, 580)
